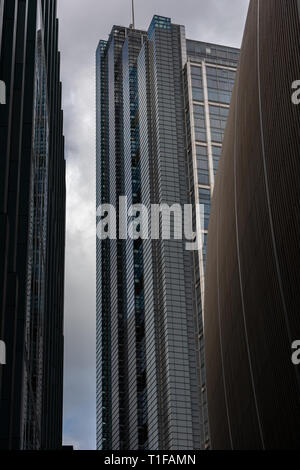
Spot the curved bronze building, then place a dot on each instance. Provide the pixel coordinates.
(252, 304)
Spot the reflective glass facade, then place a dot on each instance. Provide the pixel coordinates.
(151, 390)
(32, 228)
(120, 312)
(36, 270)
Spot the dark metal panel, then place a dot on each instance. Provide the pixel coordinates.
(253, 387)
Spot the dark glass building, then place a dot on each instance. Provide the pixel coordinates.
(151, 390)
(252, 299)
(32, 226)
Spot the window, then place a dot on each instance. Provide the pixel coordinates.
(202, 165)
(199, 119)
(220, 84)
(197, 83)
(218, 119)
(204, 200)
(216, 156)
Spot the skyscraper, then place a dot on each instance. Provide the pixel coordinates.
(209, 77)
(32, 227)
(156, 112)
(252, 299)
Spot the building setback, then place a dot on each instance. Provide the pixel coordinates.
(252, 300)
(32, 228)
(151, 390)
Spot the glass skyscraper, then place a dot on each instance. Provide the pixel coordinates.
(162, 104)
(32, 227)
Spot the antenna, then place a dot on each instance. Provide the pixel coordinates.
(132, 12)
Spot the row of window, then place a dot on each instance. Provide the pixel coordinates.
(202, 163)
(219, 83)
(210, 51)
(218, 119)
(199, 120)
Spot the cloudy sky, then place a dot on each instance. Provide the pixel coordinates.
(82, 24)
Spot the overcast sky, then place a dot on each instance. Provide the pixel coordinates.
(82, 24)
